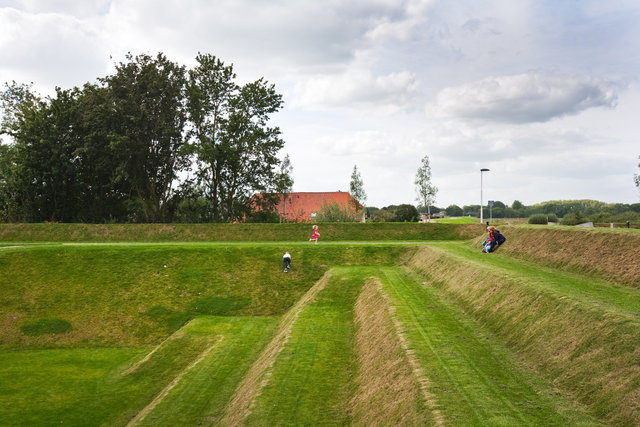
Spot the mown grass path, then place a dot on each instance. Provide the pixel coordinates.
(310, 382)
(96, 387)
(202, 393)
(474, 379)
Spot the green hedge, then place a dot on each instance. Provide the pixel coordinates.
(538, 219)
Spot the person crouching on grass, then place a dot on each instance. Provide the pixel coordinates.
(286, 260)
(495, 239)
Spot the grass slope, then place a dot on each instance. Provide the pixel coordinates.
(586, 345)
(311, 378)
(52, 232)
(609, 254)
(474, 379)
(120, 295)
(97, 387)
(167, 334)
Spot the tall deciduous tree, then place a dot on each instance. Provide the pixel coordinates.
(425, 190)
(16, 103)
(46, 160)
(8, 207)
(105, 193)
(234, 146)
(147, 96)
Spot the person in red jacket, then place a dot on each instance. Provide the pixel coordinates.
(495, 239)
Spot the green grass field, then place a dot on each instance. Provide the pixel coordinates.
(386, 332)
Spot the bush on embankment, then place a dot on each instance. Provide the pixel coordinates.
(608, 254)
(584, 349)
(56, 232)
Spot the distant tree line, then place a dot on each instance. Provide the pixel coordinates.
(152, 142)
(587, 210)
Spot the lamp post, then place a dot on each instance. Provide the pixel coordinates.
(481, 170)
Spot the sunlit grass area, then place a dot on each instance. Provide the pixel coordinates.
(390, 332)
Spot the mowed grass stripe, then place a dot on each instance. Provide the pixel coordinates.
(475, 381)
(251, 385)
(388, 390)
(403, 306)
(159, 398)
(201, 395)
(311, 380)
(60, 386)
(66, 387)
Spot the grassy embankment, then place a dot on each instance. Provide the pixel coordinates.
(137, 295)
(121, 302)
(343, 232)
(610, 254)
(476, 331)
(579, 332)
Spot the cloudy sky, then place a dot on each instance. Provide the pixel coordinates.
(544, 93)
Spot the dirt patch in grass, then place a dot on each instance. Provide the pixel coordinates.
(388, 391)
(257, 377)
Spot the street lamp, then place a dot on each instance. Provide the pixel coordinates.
(481, 170)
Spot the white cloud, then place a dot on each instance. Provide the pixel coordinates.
(75, 8)
(355, 75)
(525, 98)
(49, 49)
(402, 26)
(356, 89)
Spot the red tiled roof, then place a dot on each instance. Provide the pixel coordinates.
(299, 207)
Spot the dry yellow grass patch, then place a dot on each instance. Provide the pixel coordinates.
(611, 255)
(239, 407)
(388, 390)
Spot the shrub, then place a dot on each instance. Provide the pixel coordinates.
(573, 218)
(333, 212)
(538, 219)
(552, 218)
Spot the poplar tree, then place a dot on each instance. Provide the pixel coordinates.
(425, 190)
(356, 186)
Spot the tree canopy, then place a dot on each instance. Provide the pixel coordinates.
(151, 142)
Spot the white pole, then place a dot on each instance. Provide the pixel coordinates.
(481, 202)
(481, 219)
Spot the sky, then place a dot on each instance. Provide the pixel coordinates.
(543, 93)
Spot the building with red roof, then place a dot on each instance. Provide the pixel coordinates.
(305, 206)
